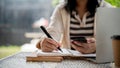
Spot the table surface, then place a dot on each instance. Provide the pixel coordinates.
(18, 60)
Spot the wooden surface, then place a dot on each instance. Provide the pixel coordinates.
(19, 61)
(44, 59)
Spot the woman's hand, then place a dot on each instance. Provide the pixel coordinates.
(48, 45)
(88, 47)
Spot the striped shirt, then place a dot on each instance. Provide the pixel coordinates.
(84, 27)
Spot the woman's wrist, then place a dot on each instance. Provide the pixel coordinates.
(38, 45)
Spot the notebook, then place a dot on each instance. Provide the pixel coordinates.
(56, 56)
(66, 52)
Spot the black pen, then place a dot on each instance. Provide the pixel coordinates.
(48, 35)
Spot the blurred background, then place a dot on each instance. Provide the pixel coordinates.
(20, 21)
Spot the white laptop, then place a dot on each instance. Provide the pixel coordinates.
(107, 25)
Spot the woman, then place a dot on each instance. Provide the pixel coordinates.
(71, 20)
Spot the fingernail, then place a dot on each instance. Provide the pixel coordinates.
(75, 42)
(72, 41)
(56, 49)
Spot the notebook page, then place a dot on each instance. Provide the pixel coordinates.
(77, 53)
(54, 53)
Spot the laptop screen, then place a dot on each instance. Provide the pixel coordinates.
(107, 25)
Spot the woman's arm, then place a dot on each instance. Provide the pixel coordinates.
(54, 28)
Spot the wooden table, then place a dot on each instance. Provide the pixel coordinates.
(19, 61)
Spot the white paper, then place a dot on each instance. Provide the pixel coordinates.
(66, 52)
(54, 53)
(77, 53)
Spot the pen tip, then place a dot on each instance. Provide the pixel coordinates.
(60, 49)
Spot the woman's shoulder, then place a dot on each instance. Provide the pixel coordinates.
(61, 5)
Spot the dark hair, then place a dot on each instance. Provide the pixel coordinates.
(91, 6)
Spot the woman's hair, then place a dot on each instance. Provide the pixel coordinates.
(91, 6)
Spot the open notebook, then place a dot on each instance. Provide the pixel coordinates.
(66, 52)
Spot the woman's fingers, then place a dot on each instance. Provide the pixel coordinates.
(91, 40)
(51, 45)
(47, 49)
(79, 48)
(48, 45)
(76, 43)
(53, 42)
(85, 47)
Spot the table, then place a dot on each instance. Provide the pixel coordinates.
(18, 60)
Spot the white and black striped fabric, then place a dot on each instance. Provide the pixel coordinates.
(84, 27)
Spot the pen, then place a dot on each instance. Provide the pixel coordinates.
(48, 35)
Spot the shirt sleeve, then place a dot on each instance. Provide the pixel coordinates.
(55, 27)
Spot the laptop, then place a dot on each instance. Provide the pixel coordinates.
(107, 25)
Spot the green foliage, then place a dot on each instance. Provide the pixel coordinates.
(55, 2)
(114, 2)
(8, 50)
